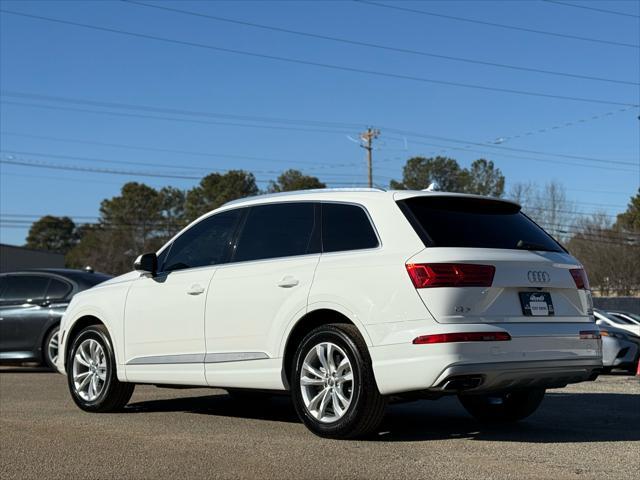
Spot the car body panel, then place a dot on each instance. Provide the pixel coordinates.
(164, 324)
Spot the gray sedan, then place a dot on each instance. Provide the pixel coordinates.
(31, 305)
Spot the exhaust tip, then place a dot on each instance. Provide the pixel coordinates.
(463, 382)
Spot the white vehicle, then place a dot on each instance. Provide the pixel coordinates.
(606, 318)
(344, 298)
(619, 348)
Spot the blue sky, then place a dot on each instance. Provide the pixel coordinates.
(84, 65)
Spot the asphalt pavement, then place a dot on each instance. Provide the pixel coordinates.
(590, 430)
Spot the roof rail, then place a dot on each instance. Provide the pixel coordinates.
(297, 192)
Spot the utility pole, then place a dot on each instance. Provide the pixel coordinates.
(368, 137)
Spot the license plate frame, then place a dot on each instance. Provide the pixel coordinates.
(536, 304)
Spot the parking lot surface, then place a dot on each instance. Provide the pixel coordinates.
(591, 430)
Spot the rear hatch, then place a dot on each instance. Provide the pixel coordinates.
(486, 262)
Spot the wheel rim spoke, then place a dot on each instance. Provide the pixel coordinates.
(322, 356)
(311, 381)
(324, 376)
(313, 371)
(79, 359)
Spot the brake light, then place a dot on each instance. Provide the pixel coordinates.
(427, 275)
(580, 277)
(462, 337)
(591, 334)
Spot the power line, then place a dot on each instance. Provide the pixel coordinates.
(321, 64)
(559, 126)
(150, 149)
(601, 10)
(521, 157)
(77, 168)
(317, 165)
(175, 119)
(378, 46)
(148, 164)
(512, 149)
(495, 24)
(187, 112)
(180, 111)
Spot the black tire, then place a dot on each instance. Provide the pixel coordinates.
(366, 409)
(606, 370)
(47, 357)
(114, 394)
(503, 407)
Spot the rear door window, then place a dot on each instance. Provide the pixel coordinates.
(346, 227)
(21, 289)
(278, 230)
(443, 221)
(58, 289)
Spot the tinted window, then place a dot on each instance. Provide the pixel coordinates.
(57, 289)
(277, 230)
(206, 243)
(23, 288)
(346, 227)
(469, 222)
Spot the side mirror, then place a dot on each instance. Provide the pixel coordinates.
(147, 262)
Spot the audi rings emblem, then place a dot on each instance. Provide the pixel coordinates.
(538, 276)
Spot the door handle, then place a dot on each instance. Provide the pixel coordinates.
(288, 282)
(195, 289)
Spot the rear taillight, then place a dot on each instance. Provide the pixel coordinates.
(580, 277)
(590, 334)
(462, 337)
(427, 275)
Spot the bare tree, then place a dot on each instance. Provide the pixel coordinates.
(548, 206)
(608, 254)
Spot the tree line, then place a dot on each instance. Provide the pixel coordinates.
(142, 218)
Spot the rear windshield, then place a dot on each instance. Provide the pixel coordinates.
(469, 222)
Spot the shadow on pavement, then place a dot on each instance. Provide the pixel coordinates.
(563, 417)
(275, 408)
(20, 368)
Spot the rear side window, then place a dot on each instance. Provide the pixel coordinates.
(24, 288)
(468, 222)
(346, 227)
(278, 230)
(205, 243)
(58, 289)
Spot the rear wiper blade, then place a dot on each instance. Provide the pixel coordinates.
(524, 245)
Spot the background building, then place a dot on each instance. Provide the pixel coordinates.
(18, 258)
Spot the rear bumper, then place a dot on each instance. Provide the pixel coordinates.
(483, 377)
(537, 355)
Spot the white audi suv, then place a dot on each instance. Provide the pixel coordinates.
(345, 298)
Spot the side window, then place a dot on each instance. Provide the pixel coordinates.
(57, 290)
(277, 230)
(24, 289)
(346, 227)
(206, 243)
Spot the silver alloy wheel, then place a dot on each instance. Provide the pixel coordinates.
(326, 382)
(52, 347)
(89, 370)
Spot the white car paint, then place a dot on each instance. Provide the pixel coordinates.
(611, 320)
(234, 332)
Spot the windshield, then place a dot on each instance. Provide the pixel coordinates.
(443, 221)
